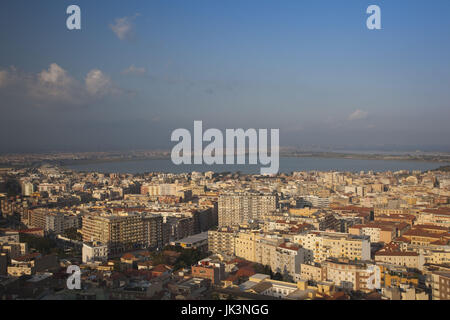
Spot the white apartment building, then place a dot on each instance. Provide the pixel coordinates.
(348, 274)
(322, 245)
(93, 252)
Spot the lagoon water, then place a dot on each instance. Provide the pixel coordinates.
(287, 165)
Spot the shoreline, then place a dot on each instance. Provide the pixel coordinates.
(438, 159)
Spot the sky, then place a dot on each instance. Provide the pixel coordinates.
(137, 70)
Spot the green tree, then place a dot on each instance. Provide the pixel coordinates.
(277, 276)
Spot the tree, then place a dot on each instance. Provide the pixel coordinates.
(12, 187)
(277, 276)
(264, 269)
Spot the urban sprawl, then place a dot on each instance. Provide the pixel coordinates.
(197, 236)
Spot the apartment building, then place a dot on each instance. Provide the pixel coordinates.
(245, 245)
(405, 218)
(52, 187)
(319, 219)
(209, 270)
(320, 246)
(402, 258)
(283, 257)
(377, 232)
(32, 263)
(237, 208)
(179, 226)
(10, 244)
(421, 236)
(163, 189)
(287, 260)
(222, 241)
(383, 210)
(261, 284)
(313, 271)
(436, 256)
(440, 285)
(52, 221)
(437, 217)
(349, 275)
(317, 202)
(120, 232)
(153, 230)
(94, 252)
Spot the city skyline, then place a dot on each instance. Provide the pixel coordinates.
(225, 158)
(137, 71)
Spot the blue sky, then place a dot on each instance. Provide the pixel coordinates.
(140, 69)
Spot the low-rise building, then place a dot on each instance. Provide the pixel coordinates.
(94, 252)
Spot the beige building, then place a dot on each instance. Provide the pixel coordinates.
(283, 257)
(348, 274)
(314, 272)
(119, 232)
(10, 244)
(440, 284)
(237, 208)
(262, 285)
(437, 217)
(320, 246)
(376, 232)
(153, 231)
(221, 241)
(401, 258)
(245, 245)
(437, 256)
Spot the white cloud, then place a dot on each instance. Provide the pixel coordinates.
(358, 115)
(135, 70)
(54, 75)
(55, 86)
(3, 78)
(123, 27)
(8, 77)
(97, 83)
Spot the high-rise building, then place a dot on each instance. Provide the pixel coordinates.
(120, 232)
(27, 188)
(153, 230)
(237, 208)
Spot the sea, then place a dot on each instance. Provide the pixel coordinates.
(287, 165)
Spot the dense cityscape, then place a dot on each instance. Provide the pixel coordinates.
(209, 236)
(231, 159)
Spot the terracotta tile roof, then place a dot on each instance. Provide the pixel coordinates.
(160, 268)
(397, 253)
(245, 272)
(289, 246)
(438, 211)
(128, 256)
